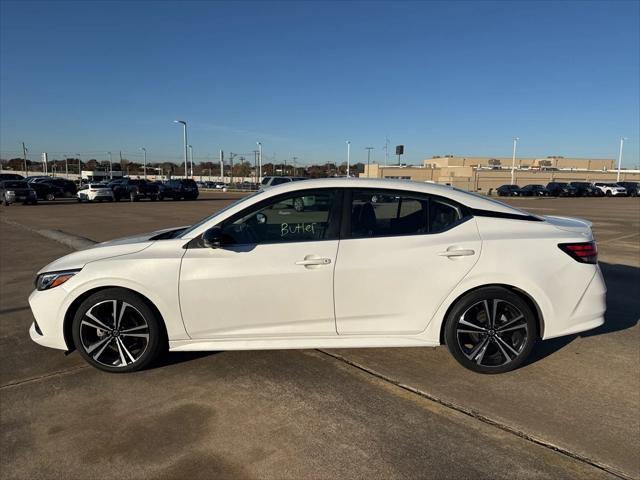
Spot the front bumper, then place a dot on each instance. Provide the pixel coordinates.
(48, 307)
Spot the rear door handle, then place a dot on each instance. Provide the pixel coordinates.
(310, 260)
(457, 253)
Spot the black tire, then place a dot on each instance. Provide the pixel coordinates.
(608, 193)
(50, 197)
(108, 352)
(154, 198)
(498, 355)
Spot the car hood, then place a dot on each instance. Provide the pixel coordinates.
(104, 250)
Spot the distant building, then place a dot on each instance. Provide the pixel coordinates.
(485, 173)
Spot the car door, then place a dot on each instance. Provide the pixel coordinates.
(272, 276)
(400, 257)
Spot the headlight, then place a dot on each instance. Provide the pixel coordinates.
(45, 281)
(11, 193)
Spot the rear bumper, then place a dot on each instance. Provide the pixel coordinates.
(588, 312)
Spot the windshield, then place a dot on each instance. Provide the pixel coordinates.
(211, 217)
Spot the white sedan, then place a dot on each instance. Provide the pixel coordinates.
(95, 193)
(369, 263)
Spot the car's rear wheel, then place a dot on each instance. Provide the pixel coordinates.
(491, 330)
(115, 330)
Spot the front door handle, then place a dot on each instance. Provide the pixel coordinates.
(462, 252)
(311, 260)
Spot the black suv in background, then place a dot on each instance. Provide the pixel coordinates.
(47, 191)
(178, 189)
(134, 190)
(12, 191)
(533, 190)
(561, 189)
(586, 189)
(633, 188)
(508, 190)
(69, 188)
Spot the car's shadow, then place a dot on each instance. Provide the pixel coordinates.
(623, 309)
(174, 358)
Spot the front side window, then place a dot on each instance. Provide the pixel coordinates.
(303, 216)
(385, 213)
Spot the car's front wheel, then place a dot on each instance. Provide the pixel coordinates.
(115, 330)
(491, 330)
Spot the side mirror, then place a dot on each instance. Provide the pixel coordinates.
(212, 238)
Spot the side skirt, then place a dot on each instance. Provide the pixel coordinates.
(355, 341)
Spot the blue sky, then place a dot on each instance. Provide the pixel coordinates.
(458, 78)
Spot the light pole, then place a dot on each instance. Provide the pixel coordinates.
(622, 139)
(110, 166)
(348, 156)
(79, 168)
(513, 161)
(368, 149)
(24, 155)
(184, 124)
(191, 159)
(66, 167)
(144, 162)
(259, 161)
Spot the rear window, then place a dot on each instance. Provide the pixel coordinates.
(189, 183)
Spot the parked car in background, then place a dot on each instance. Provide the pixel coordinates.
(561, 189)
(12, 191)
(68, 187)
(611, 189)
(134, 189)
(10, 176)
(47, 191)
(632, 188)
(214, 185)
(533, 190)
(508, 190)
(94, 192)
(178, 189)
(586, 189)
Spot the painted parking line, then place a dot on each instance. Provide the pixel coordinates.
(624, 237)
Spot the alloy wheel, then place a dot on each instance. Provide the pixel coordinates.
(492, 333)
(114, 333)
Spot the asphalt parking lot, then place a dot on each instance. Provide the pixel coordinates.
(572, 412)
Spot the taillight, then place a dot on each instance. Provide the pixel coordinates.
(586, 252)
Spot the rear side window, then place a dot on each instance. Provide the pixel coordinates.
(385, 213)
